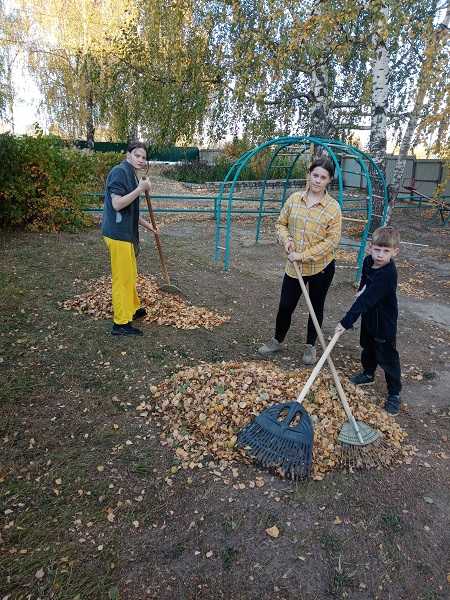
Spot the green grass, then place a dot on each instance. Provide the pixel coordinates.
(331, 543)
(392, 523)
(229, 555)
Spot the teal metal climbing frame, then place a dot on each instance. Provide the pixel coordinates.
(369, 198)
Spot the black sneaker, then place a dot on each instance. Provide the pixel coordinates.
(362, 379)
(139, 314)
(126, 329)
(392, 405)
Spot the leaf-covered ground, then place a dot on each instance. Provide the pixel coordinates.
(95, 502)
(202, 409)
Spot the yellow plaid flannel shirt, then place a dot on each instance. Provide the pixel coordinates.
(315, 231)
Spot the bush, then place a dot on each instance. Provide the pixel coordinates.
(44, 182)
(255, 170)
(197, 172)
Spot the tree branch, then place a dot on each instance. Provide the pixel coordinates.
(353, 126)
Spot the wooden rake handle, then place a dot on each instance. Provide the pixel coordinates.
(337, 381)
(315, 372)
(157, 240)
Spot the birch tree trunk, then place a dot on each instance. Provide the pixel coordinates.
(9, 84)
(320, 105)
(380, 73)
(439, 38)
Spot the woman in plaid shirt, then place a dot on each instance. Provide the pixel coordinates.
(309, 228)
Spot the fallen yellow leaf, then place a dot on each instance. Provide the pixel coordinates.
(273, 531)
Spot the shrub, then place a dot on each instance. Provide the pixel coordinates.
(198, 172)
(255, 170)
(44, 182)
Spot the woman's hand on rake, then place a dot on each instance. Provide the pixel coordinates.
(151, 228)
(339, 329)
(295, 256)
(289, 246)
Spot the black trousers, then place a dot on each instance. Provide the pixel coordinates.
(383, 353)
(291, 291)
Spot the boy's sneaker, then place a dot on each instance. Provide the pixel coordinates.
(362, 379)
(392, 405)
(139, 314)
(126, 329)
(270, 347)
(309, 355)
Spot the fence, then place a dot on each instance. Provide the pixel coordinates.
(168, 154)
(426, 174)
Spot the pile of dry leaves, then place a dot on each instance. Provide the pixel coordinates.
(346, 257)
(162, 308)
(415, 287)
(201, 409)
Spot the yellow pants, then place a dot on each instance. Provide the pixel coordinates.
(125, 300)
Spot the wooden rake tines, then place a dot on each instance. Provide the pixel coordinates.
(280, 439)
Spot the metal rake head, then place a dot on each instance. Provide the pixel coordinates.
(348, 435)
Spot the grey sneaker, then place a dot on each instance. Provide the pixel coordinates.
(309, 355)
(270, 347)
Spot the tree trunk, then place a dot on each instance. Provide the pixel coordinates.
(439, 37)
(320, 104)
(10, 93)
(90, 129)
(443, 125)
(380, 73)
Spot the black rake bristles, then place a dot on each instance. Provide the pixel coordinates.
(279, 445)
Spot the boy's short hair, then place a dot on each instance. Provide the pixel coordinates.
(388, 237)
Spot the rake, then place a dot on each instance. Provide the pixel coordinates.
(168, 287)
(281, 437)
(361, 446)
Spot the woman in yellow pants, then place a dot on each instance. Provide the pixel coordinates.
(120, 229)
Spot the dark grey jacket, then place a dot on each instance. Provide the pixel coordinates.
(121, 224)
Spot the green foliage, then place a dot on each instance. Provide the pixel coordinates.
(198, 172)
(256, 170)
(44, 182)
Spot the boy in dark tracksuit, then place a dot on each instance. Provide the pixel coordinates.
(376, 303)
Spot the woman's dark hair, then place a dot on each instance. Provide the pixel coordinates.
(136, 144)
(323, 162)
